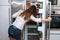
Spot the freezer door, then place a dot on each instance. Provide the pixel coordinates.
(5, 2)
(4, 22)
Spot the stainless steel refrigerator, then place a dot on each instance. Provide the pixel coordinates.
(17, 5)
(7, 8)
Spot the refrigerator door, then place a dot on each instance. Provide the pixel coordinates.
(5, 2)
(17, 5)
(4, 22)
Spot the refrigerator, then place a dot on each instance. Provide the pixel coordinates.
(17, 5)
(5, 20)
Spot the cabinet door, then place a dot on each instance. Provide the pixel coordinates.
(55, 37)
(55, 34)
(4, 22)
(5, 2)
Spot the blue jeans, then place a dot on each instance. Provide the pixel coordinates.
(14, 32)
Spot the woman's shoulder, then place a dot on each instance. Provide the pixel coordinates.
(20, 11)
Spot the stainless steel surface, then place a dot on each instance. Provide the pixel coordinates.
(49, 23)
(9, 10)
(16, 5)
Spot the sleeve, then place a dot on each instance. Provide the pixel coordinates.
(16, 14)
(35, 19)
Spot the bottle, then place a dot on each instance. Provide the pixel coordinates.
(40, 35)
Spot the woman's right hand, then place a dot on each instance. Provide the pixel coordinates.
(49, 19)
(46, 20)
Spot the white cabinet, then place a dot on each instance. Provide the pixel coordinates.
(54, 37)
(55, 34)
(5, 2)
(4, 22)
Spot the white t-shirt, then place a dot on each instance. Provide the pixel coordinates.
(19, 22)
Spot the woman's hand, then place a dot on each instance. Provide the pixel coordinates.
(46, 20)
(49, 19)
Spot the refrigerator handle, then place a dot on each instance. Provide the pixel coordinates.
(9, 1)
(49, 22)
(9, 11)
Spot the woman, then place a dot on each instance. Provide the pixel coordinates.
(22, 17)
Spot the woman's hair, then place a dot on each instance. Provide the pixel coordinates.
(28, 12)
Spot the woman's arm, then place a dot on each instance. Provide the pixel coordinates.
(46, 20)
(40, 19)
(35, 19)
(16, 14)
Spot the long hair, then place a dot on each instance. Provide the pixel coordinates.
(28, 12)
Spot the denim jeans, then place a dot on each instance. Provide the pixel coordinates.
(14, 32)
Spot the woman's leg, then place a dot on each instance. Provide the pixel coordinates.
(10, 38)
(11, 33)
(18, 34)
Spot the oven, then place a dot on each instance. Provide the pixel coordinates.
(55, 14)
(55, 23)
